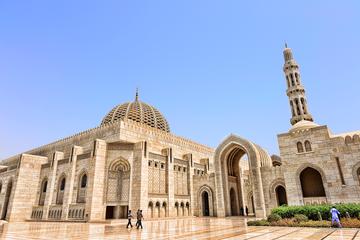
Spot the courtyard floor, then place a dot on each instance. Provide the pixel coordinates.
(187, 228)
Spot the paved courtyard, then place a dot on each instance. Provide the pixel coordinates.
(187, 228)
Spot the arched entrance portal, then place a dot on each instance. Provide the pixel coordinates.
(6, 201)
(280, 195)
(205, 204)
(232, 157)
(118, 186)
(312, 186)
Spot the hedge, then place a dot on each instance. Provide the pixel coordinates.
(311, 211)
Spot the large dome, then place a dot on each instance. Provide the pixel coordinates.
(137, 111)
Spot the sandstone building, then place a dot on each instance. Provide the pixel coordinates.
(133, 161)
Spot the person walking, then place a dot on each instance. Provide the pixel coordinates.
(129, 219)
(335, 217)
(137, 217)
(140, 217)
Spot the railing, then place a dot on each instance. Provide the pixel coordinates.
(55, 212)
(314, 200)
(76, 211)
(37, 212)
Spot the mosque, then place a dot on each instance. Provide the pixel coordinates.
(133, 161)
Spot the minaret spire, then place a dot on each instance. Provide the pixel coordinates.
(137, 95)
(295, 90)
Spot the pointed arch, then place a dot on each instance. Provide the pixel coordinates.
(43, 190)
(61, 185)
(300, 147)
(206, 201)
(82, 186)
(257, 158)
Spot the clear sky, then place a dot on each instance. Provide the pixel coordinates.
(211, 67)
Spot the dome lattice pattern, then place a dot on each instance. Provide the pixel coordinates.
(140, 112)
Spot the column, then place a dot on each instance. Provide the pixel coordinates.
(25, 187)
(51, 183)
(138, 198)
(170, 183)
(95, 207)
(69, 184)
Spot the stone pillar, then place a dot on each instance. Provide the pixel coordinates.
(51, 183)
(258, 192)
(192, 192)
(25, 187)
(170, 183)
(70, 181)
(219, 190)
(138, 198)
(95, 206)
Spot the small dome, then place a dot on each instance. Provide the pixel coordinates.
(139, 112)
(276, 160)
(302, 125)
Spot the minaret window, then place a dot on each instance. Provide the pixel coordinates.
(297, 107)
(300, 147)
(292, 79)
(303, 105)
(297, 78)
(307, 146)
(292, 108)
(288, 81)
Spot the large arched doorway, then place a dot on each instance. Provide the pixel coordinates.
(312, 186)
(281, 195)
(233, 202)
(205, 204)
(7, 200)
(118, 188)
(236, 158)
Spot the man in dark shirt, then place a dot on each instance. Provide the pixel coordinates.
(140, 217)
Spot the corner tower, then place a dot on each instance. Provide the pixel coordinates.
(295, 90)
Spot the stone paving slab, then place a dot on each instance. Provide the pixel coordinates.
(179, 229)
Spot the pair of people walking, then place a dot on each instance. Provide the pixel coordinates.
(139, 218)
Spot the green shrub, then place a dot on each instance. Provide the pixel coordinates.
(312, 211)
(273, 217)
(300, 218)
(261, 222)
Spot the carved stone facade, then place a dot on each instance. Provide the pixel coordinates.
(133, 161)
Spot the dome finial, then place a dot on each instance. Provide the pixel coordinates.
(286, 45)
(137, 95)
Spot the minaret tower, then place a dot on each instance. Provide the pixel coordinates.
(295, 90)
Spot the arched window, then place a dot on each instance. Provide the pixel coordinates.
(81, 196)
(308, 146)
(358, 174)
(61, 190)
(43, 189)
(300, 147)
(83, 181)
(62, 184)
(311, 183)
(0, 187)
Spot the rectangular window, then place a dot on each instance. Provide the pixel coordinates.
(340, 171)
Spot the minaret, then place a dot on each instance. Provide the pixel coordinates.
(295, 90)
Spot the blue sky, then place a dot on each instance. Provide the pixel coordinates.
(211, 67)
